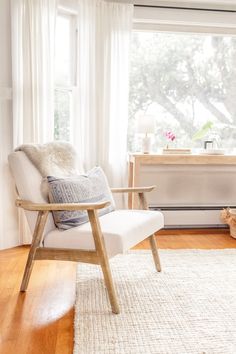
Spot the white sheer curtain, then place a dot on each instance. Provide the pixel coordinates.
(100, 133)
(33, 32)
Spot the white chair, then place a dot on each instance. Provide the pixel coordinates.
(93, 242)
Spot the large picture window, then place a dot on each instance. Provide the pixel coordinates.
(184, 81)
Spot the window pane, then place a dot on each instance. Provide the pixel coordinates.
(185, 81)
(62, 115)
(65, 47)
(63, 60)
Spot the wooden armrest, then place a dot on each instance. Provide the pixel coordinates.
(133, 189)
(28, 205)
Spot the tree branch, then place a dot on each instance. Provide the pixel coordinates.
(171, 108)
(211, 108)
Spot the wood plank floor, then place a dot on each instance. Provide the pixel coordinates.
(40, 321)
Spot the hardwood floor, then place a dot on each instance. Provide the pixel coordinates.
(40, 321)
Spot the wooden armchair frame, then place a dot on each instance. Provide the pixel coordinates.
(98, 256)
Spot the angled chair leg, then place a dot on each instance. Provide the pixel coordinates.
(37, 236)
(155, 254)
(152, 239)
(109, 285)
(104, 261)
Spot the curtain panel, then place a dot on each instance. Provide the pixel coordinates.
(33, 38)
(100, 134)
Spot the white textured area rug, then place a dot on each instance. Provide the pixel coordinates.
(188, 308)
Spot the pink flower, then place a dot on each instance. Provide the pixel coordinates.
(170, 136)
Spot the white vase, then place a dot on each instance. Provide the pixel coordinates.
(146, 144)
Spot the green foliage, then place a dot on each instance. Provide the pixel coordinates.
(62, 115)
(201, 133)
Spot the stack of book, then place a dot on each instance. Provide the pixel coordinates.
(177, 151)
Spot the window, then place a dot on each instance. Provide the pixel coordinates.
(65, 75)
(184, 80)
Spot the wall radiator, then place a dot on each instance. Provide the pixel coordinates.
(197, 217)
(191, 196)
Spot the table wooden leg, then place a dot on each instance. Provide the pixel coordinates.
(130, 184)
(135, 199)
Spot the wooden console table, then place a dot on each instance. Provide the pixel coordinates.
(136, 160)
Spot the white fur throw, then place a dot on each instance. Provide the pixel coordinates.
(55, 158)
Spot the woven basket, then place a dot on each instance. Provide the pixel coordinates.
(228, 216)
(232, 231)
(233, 227)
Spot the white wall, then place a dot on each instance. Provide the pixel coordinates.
(8, 213)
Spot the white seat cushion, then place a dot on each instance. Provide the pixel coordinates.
(122, 229)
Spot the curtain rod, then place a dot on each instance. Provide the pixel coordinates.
(185, 8)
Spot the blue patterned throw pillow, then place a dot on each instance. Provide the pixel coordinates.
(88, 188)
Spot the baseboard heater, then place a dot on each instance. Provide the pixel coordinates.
(191, 216)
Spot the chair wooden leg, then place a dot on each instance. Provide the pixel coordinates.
(104, 261)
(155, 254)
(37, 236)
(110, 286)
(152, 239)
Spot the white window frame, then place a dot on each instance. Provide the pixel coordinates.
(184, 20)
(173, 20)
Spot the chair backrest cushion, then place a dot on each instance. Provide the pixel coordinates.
(91, 187)
(28, 182)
